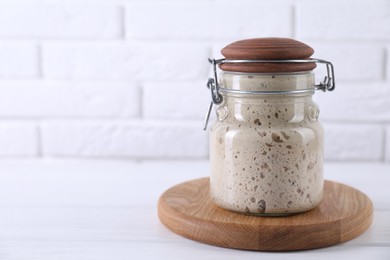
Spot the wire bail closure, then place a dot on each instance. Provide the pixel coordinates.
(328, 84)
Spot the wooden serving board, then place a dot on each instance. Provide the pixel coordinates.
(188, 210)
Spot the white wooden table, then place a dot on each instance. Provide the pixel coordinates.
(107, 210)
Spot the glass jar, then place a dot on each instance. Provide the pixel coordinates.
(266, 146)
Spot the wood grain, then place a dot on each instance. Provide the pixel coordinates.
(188, 210)
(267, 49)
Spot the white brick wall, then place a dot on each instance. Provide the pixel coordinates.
(344, 21)
(197, 20)
(120, 60)
(353, 142)
(19, 139)
(36, 99)
(356, 102)
(184, 100)
(126, 79)
(136, 139)
(51, 21)
(19, 60)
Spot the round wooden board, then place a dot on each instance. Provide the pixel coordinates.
(188, 210)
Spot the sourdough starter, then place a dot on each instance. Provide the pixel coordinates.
(266, 151)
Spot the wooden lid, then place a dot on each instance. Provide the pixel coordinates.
(267, 49)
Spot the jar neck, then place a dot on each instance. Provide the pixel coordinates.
(267, 81)
(263, 110)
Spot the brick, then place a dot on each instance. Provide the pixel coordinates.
(133, 61)
(207, 20)
(185, 101)
(69, 99)
(140, 140)
(343, 20)
(356, 102)
(18, 60)
(358, 61)
(363, 142)
(60, 21)
(18, 139)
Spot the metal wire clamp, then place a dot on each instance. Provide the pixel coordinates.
(328, 84)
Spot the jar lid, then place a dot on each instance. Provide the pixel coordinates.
(267, 49)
